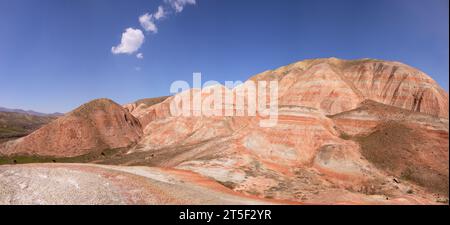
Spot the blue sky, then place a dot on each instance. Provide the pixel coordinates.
(57, 54)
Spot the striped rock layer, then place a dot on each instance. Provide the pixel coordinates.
(348, 132)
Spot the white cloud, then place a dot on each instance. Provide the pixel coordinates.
(161, 13)
(131, 41)
(147, 20)
(178, 5)
(148, 23)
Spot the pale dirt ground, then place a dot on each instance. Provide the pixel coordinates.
(92, 184)
(98, 184)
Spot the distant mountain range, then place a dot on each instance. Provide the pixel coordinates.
(29, 112)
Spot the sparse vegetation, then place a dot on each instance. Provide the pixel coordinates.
(345, 136)
(15, 125)
(392, 148)
(91, 157)
(227, 184)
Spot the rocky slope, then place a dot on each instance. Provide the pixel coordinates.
(335, 85)
(410, 145)
(95, 126)
(307, 157)
(143, 109)
(348, 132)
(328, 123)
